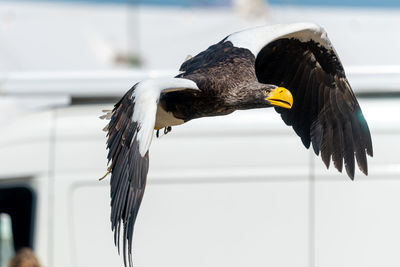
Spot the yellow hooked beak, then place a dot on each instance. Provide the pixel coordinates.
(280, 97)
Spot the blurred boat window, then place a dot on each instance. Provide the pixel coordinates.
(16, 220)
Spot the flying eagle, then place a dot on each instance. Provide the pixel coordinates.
(246, 70)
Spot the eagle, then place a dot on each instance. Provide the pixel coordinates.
(292, 67)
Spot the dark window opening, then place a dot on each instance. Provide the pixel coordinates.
(19, 202)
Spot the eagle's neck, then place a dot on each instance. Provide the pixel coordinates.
(187, 106)
(246, 95)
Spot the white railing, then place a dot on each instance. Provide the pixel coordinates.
(364, 79)
(75, 83)
(374, 79)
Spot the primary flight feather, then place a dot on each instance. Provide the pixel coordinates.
(246, 70)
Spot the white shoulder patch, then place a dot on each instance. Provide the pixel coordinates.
(145, 97)
(255, 39)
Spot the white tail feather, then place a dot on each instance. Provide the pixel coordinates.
(107, 115)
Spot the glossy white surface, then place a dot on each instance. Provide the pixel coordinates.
(232, 190)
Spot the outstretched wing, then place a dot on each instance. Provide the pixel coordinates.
(130, 132)
(325, 110)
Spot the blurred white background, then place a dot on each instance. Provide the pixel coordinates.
(239, 190)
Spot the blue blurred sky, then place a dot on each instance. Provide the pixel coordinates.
(350, 3)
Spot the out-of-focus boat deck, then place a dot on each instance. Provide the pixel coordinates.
(83, 36)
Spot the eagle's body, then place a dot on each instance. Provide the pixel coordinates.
(218, 95)
(246, 70)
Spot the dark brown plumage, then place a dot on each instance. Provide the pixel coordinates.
(243, 71)
(129, 171)
(325, 111)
